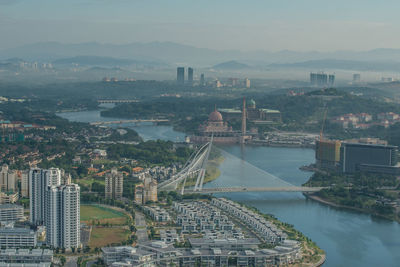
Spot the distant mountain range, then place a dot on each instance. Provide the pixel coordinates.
(168, 54)
(231, 65)
(105, 61)
(185, 55)
(333, 64)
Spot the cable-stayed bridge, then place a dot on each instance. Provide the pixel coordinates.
(195, 168)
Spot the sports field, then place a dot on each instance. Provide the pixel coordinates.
(98, 214)
(103, 236)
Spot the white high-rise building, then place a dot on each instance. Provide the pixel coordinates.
(63, 216)
(39, 181)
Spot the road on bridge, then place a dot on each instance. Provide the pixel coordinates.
(255, 189)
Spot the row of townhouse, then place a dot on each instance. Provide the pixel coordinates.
(199, 216)
(160, 254)
(158, 214)
(266, 230)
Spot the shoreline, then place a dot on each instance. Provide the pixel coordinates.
(332, 204)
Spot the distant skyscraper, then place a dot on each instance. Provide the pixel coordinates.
(190, 76)
(180, 75)
(322, 79)
(63, 216)
(114, 184)
(356, 78)
(247, 83)
(331, 79)
(39, 180)
(202, 80)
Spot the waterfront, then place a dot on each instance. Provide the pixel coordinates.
(145, 130)
(349, 238)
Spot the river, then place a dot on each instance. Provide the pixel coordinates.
(349, 238)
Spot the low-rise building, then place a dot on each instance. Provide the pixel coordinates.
(17, 238)
(158, 214)
(11, 212)
(26, 257)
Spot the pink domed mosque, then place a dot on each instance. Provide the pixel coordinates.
(223, 133)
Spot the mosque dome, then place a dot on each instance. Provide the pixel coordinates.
(215, 116)
(252, 103)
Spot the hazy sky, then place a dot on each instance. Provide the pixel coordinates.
(221, 24)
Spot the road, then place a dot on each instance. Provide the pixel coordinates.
(71, 261)
(141, 229)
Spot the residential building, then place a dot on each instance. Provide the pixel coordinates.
(63, 216)
(34, 257)
(39, 181)
(11, 212)
(146, 192)
(8, 179)
(17, 238)
(158, 214)
(8, 198)
(24, 177)
(114, 184)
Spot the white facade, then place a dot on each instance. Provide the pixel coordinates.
(39, 180)
(63, 216)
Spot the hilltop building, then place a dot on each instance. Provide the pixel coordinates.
(114, 184)
(322, 79)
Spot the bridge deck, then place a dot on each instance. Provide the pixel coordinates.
(127, 121)
(255, 189)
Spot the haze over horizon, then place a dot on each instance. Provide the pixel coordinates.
(246, 25)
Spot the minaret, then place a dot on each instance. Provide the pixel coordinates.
(243, 120)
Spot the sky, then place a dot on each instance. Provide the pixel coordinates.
(247, 25)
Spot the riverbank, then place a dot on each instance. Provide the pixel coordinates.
(316, 198)
(312, 255)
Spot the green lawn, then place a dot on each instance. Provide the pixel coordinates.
(102, 214)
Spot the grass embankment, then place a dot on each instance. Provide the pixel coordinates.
(212, 171)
